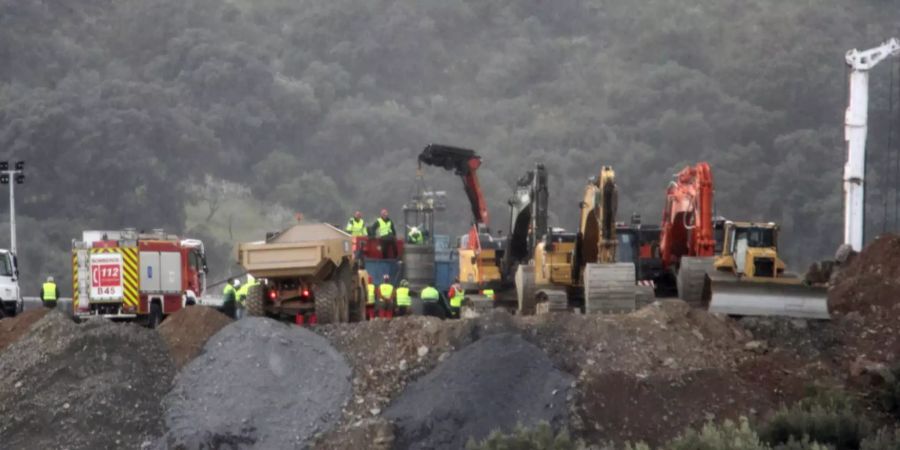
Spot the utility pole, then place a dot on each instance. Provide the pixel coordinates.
(17, 176)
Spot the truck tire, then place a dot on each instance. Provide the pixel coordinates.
(253, 304)
(328, 303)
(156, 315)
(358, 303)
(348, 296)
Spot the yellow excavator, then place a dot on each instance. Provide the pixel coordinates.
(580, 269)
(750, 279)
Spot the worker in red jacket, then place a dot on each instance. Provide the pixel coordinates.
(456, 294)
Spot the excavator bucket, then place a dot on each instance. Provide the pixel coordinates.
(784, 297)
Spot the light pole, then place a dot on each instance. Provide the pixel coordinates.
(19, 173)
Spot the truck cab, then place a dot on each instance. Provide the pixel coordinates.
(10, 295)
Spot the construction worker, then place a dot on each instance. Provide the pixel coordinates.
(489, 293)
(415, 236)
(404, 301)
(386, 298)
(384, 230)
(229, 295)
(241, 297)
(370, 299)
(432, 304)
(356, 226)
(456, 294)
(49, 293)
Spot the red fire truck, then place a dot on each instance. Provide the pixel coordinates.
(126, 275)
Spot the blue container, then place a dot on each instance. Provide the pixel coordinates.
(441, 243)
(445, 270)
(378, 267)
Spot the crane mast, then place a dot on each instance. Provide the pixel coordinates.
(855, 129)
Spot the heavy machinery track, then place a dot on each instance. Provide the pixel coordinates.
(644, 295)
(609, 288)
(525, 289)
(693, 281)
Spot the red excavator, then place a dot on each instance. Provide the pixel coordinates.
(687, 240)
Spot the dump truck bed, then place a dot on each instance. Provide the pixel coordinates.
(308, 250)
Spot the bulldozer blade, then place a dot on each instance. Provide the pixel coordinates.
(758, 298)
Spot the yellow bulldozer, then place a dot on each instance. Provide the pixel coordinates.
(750, 279)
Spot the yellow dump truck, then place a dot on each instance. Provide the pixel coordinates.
(307, 274)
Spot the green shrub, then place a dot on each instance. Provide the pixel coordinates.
(728, 435)
(884, 440)
(540, 437)
(830, 417)
(889, 393)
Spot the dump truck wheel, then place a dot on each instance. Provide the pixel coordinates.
(327, 303)
(253, 304)
(343, 300)
(357, 301)
(693, 281)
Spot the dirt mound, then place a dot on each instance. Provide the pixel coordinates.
(13, 328)
(96, 385)
(258, 383)
(870, 283)
(387, 354)
(666, 336)
(621, 407)
(187, 331)
(494, 383)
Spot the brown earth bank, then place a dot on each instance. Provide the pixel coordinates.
(187, 331)
(13, 328)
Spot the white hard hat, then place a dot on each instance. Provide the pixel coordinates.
(237, 283)
(50, 279)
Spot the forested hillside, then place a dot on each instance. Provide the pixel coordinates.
(222, 118)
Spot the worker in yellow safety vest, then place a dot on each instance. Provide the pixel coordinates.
(370, 299)
(49, 293)
(384, 230)
(229, 297)
(489, 293)
(457, 295)
(415, 236)
(356, 226)
(432, 304)
(404, 301)
(386, 294)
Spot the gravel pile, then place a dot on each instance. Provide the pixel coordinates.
(257, 384)
(90, 386)
(494, 383)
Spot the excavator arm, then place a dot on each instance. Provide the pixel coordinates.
(465, 163)
(598, 242)
(528, 217)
